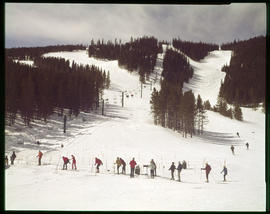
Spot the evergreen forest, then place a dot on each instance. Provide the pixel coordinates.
(51, 85)
(195, 50)
(137, 55)
(244, 82)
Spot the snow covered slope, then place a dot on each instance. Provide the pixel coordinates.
(129, 132)
(207, 74)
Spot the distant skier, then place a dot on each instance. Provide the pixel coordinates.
(12, 157)
(66, 161)
(232, 148)
(73, 162)
(40, 154)
(118, 164)
(6, 161)
(98, 162)
(172, 168)
(225, 171)
(247, 145)
(152, 167)
(132, 164)
(155, 167)
(184, 164)
(123, 163)
(207, 171)
(238, 134)
(179, 169)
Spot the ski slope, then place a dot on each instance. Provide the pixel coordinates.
(129, 132)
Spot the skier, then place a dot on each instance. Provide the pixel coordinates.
(132, 164)
(155, 167)
(172, 168)
(66, 161)
(232, 148)
(98, 162)
(207, 171)
(118, 164)
(12, 157)
(225, 171)
(73, 162)
(123, 163)
(238, 134)
(247, 144)
(184, 164)
(179, 168)
(152, 168)
(6, 161)
(40, 154)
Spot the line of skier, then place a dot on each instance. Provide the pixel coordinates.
(134, 168)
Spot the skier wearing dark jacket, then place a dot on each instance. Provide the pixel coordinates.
(207, 171)
(172, 168)
(132, 164)
(232, 148)
(225, 171)
(179, 169)
(123, 163)
(6, 160)
(12, 157)
(98, 162)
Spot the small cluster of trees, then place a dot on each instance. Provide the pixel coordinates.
(244, 82)
(29, 53)
(176, 68)
(231, 112)
(195, 50)
(137, 55)
(35, 92)
(176, 110)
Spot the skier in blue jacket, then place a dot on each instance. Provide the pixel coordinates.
(225, 171)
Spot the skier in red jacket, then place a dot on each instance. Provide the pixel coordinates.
(207, 170)
(66, 161)
(98, 162)
(73, 162)
(40, 154)
(132, 167)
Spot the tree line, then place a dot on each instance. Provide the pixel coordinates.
(35, 92)
(29, 53)
(137, 55)
(171, 107)
(195, 50)
(244, 82)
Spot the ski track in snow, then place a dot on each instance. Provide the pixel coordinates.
(129, 132)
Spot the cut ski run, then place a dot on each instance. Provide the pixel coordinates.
(129, 132)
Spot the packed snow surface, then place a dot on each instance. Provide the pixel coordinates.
(129, 132)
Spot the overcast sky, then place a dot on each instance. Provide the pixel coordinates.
(28, 24)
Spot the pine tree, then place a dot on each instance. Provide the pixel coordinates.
(237, 112)
(207, 105)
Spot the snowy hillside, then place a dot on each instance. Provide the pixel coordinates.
(129, 132)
